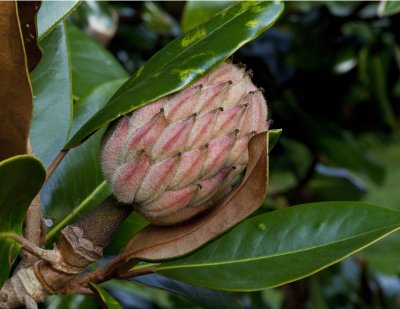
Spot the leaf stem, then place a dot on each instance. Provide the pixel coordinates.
(35, 229)
(109, 271)
(100, 274)
(53, 166)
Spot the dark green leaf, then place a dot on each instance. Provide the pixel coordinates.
(284, 245)
(109, 301)
(205, 298)
(198, 12)
(92, 64)
(21, 178)
(51, 83)
(85, 108)
(273, 137)
(76, 187)
(51, 13)
(186, 59)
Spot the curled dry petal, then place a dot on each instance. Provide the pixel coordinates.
(181, 154)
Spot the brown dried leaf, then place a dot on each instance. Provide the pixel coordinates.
(27, 11)
(162, 242)
(16, 100)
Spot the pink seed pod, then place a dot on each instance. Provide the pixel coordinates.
(179, 155)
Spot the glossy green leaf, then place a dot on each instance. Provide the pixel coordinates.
(198, 12)
(284, 245)
(76, 187)
(273, 137)
(51, 83)
(389, 7)
(21, 178)
(109, 301)
(186, 59)
(205, 298)
(51, 13)
(85, 108)
(92, 64)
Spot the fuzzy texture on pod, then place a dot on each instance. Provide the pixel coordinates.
(179, 155)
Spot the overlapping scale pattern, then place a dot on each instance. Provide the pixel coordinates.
(179, 155)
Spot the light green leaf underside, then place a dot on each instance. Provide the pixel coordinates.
(52, 13)
(51, 83)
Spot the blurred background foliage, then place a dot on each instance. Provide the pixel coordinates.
(330, 71)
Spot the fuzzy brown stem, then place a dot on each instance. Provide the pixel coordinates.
(33, 231)
(99, 275)
(80, 244)
(33, 226)
(53, 166)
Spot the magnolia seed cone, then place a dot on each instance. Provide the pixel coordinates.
(181, 154)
